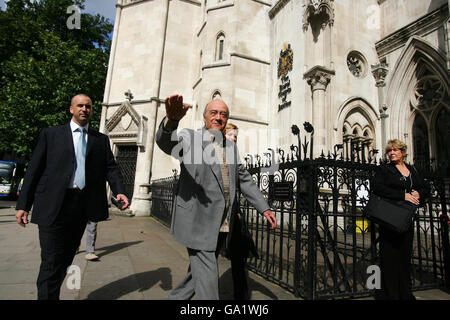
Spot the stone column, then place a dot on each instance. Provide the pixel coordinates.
(141, 205)
(380, 72)
(318, 78)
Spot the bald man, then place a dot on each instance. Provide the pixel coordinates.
(206, 194)
(65, 185)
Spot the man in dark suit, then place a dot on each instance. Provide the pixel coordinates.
(206, 193)
(65, 184)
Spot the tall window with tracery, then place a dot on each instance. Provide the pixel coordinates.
(431, 127)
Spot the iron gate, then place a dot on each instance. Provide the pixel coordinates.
(163, 193)
(126, 160)
(323, 245)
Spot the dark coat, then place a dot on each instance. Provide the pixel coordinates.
(52, 166)
(388, 182)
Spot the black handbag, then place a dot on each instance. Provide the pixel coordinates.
(393, 215)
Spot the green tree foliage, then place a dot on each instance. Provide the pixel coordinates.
(43, 64)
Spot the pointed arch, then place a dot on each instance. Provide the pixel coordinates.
(420, 67)
(351, 103)
(356, 121)
(416, 55)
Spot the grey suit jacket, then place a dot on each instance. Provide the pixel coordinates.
(199, 202)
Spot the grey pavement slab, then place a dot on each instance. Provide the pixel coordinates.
(138, 260)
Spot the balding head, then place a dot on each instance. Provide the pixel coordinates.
(216, 115)
(81, 109)
(80, 95)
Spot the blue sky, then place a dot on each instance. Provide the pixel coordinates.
(106, 8)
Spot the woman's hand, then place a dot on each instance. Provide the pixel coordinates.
(411, 198)
(415, 194)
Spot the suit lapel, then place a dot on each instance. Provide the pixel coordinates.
(92, 138)
(68, 139)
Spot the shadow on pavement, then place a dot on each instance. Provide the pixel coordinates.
(136, 282)
(115, 247)
(226, 287)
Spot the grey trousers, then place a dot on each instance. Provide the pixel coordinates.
(91, 236)
(202, 278)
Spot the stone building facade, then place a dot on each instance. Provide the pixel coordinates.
(358, 70)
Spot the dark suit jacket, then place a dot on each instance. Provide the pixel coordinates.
(52, 166)
(388, 183)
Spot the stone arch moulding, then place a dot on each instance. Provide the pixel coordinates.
(352, 103)
(416, 53)
(357, 129)
(126, 126)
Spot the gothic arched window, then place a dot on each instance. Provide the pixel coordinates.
(431, 128)
(220, 46)
(357, 134)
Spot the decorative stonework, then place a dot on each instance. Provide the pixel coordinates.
(356, 64)
(420, 27)
(126, 121)
(380, 72)
(318, 77)
(277, 8)
(320, 11)
(429, 93)
(127, 124)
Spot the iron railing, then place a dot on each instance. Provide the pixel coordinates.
(323, 245)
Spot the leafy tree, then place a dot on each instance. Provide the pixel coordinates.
(43, 64)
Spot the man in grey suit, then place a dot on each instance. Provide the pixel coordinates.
(206, 193)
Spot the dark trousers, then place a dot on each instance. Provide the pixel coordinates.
(239, 272)
(238, 261)
(395, 265)
(59, 243)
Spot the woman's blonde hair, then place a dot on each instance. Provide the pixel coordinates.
(231, 126)
(397, 144)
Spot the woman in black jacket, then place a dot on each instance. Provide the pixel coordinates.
(397, 180)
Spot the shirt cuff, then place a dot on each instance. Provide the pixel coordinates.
(170, 125)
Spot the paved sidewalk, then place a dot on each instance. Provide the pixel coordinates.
(139, 260)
